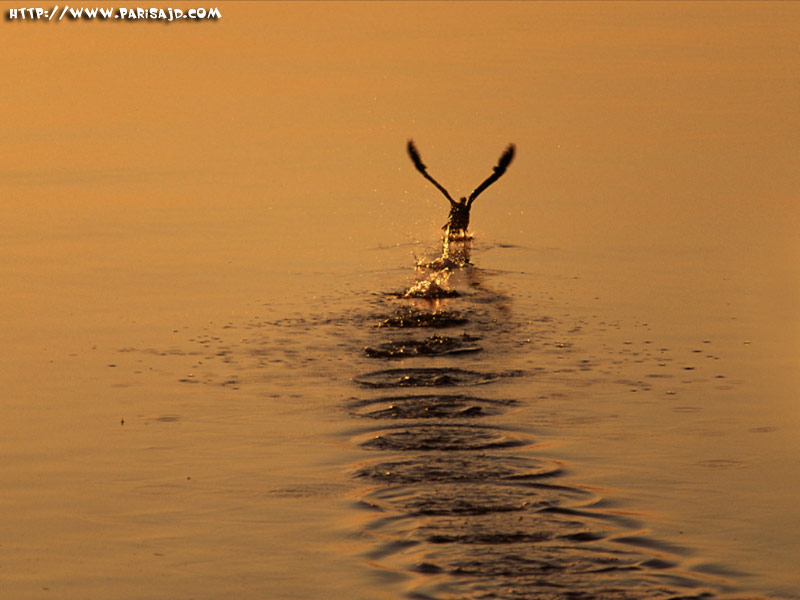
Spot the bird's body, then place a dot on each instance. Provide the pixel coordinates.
(458, 219)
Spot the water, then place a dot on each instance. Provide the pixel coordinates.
(206, 388)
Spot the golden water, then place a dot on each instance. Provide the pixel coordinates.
(200, 222)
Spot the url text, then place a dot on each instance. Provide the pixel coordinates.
(166, 15)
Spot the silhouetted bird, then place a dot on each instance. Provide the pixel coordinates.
(458, 220)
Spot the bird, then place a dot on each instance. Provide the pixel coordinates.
(458, 219)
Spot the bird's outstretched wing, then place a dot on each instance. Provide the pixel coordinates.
(415, 158)
(501, 167)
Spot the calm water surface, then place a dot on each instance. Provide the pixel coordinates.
(207, 233)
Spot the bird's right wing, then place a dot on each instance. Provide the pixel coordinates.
(501, 167)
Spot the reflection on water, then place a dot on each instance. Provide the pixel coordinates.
(466, 408)
(434, 345)
(459, 505)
